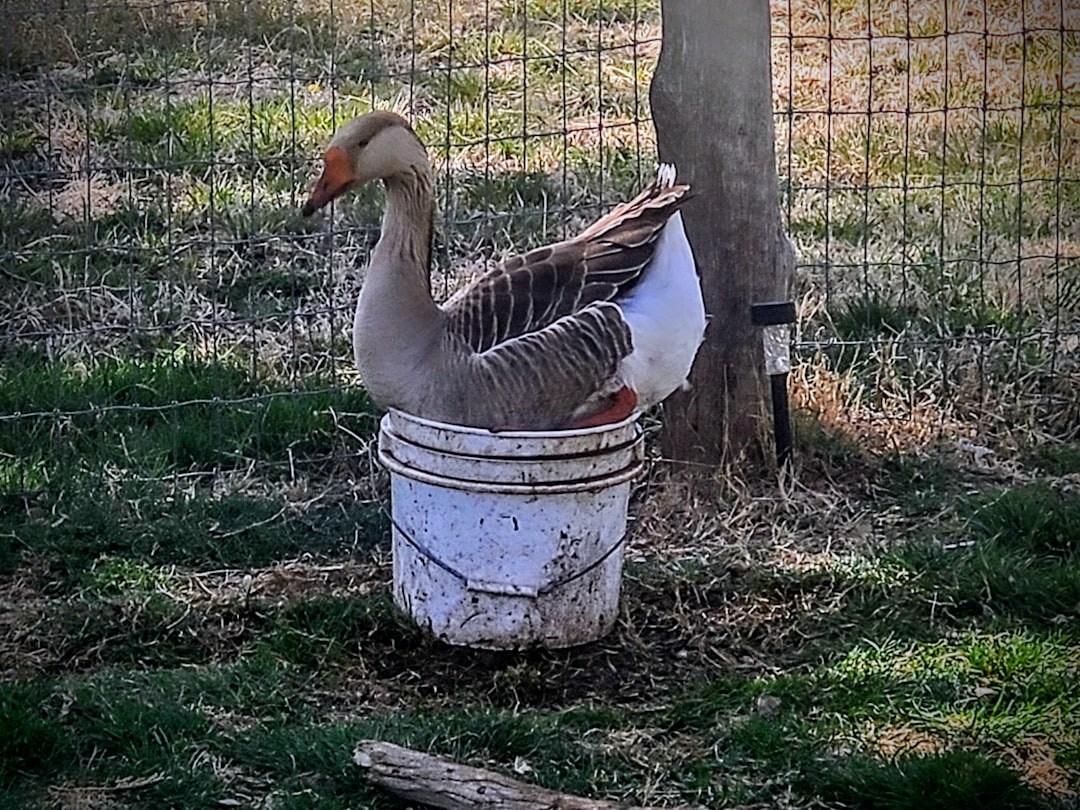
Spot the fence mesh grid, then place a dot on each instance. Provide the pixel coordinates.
(929, 157)
(163, 296)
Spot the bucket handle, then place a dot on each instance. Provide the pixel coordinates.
(500, 588)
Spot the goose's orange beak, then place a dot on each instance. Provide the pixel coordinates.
(336, 178)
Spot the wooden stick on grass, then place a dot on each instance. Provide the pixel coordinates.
(437, 782)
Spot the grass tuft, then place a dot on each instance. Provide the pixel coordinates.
(32, 743)
(955, 780)
(1034, 518)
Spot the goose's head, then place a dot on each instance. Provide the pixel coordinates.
(378, 145)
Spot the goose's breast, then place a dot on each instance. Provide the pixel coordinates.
(667, 319)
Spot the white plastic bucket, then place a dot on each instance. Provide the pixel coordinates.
(509, 540)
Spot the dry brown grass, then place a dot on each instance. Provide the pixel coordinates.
(1034, 760)
(99, 797)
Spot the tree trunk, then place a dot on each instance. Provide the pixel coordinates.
(712, 104)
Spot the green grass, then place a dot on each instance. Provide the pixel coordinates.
(1035, 519)
(863, 318)
(89, 469)
(954, 780)
(260, 723)
(162, 414)
(31, 742)
(321, 632)
(163, 527)
(1006, 557)
(1054, 459)
(142, 724)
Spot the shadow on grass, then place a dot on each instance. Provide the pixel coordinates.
(956, 780)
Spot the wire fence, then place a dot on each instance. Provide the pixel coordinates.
(930, 164)
(158, 278)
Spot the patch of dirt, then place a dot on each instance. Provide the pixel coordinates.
(22, 608)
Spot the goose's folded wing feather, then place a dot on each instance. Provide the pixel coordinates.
(532, 291)
(568, 361)
(536, 290)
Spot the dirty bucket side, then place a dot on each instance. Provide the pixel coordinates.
(509, 571)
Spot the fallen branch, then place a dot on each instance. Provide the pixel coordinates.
(437, 782)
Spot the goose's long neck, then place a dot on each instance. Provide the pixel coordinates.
(405, 243)
(397, 321)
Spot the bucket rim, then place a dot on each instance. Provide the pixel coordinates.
(515, 434)
(606, 481)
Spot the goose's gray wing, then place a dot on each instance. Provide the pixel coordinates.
(530, 292)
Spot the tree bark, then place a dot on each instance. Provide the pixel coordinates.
(436, 782)
(711, 100)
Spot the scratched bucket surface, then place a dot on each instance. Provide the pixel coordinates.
(509, 540)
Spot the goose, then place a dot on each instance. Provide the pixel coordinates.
(577, 334)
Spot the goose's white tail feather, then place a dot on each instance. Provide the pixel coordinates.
(665, 175)
(666, 316)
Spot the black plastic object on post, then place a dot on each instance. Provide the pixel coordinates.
(776, 318)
